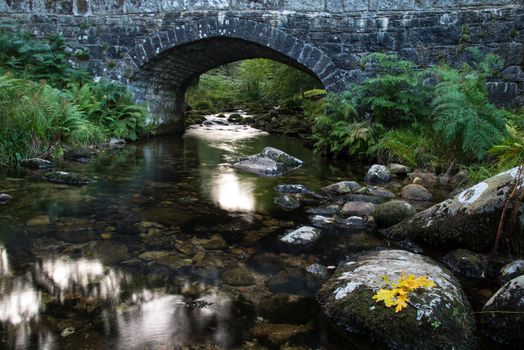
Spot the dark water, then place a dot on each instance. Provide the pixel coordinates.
(135, 260)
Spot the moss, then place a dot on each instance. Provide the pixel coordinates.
(358, 313)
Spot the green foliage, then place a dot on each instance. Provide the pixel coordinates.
(430, 118)
(42, 116)
(395, 95)
(462, 115)
(510, 152)
(408, 146)
(246, 82)
(45, 103)
(111, 107)
(32, 59)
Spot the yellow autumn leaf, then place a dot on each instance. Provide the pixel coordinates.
(401, 302)
(398, 293)
(385, 295)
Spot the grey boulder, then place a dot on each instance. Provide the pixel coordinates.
(270, 162)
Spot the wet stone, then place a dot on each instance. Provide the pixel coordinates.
(62, 177)
(286, 202)
(358, 208)
(466, 263)
(36, 163)
(398, 169)
(342, 187)
(4, 198)
(39, 220)
(293, 189)
(502, 317)
(511, 270)
(154, 255)
(270, 162)
(301, 236)
(320, 221)
(378, 174)
(325, 211)
(416, 192)
(364, 198)
(81, 155)
(393, 212)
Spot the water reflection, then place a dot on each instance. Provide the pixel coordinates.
(145, 318)
(233, 193)
(86, 277)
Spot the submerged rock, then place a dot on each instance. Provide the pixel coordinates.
(301, 236)
(293, 189)
(378, 174)
(325, 211)
(270, 162)
(4, 198)
(291, 281)
(393, 212)
(378, 191)
(238, 276)
(435, 318)
(62, 177)
(286, 202)
(502, 317)
(467, 220)
(267, 263)
(81, 155)
(109, 252)
(275, 335)
(364, 198)
(36, 163)
(511, 270)
(342, 187)
(416, 192)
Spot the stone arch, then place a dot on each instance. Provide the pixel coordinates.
(162, 65)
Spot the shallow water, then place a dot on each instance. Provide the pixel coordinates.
(134, 261)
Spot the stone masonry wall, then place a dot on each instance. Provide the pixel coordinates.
(158, 46)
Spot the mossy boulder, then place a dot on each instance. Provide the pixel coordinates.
(435, 318)
(393, 212)
(468, 220)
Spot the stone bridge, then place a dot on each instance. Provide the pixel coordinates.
(158, 47)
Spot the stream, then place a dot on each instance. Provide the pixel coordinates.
(171, 248)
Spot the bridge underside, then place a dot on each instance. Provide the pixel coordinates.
(163, 81)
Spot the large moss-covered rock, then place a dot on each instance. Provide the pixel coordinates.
(467, 220)
(393, 212)
(502, 317)
(436, 318)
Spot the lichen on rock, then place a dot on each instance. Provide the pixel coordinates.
(436, 318)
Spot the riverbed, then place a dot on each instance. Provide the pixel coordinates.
(171, 248)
